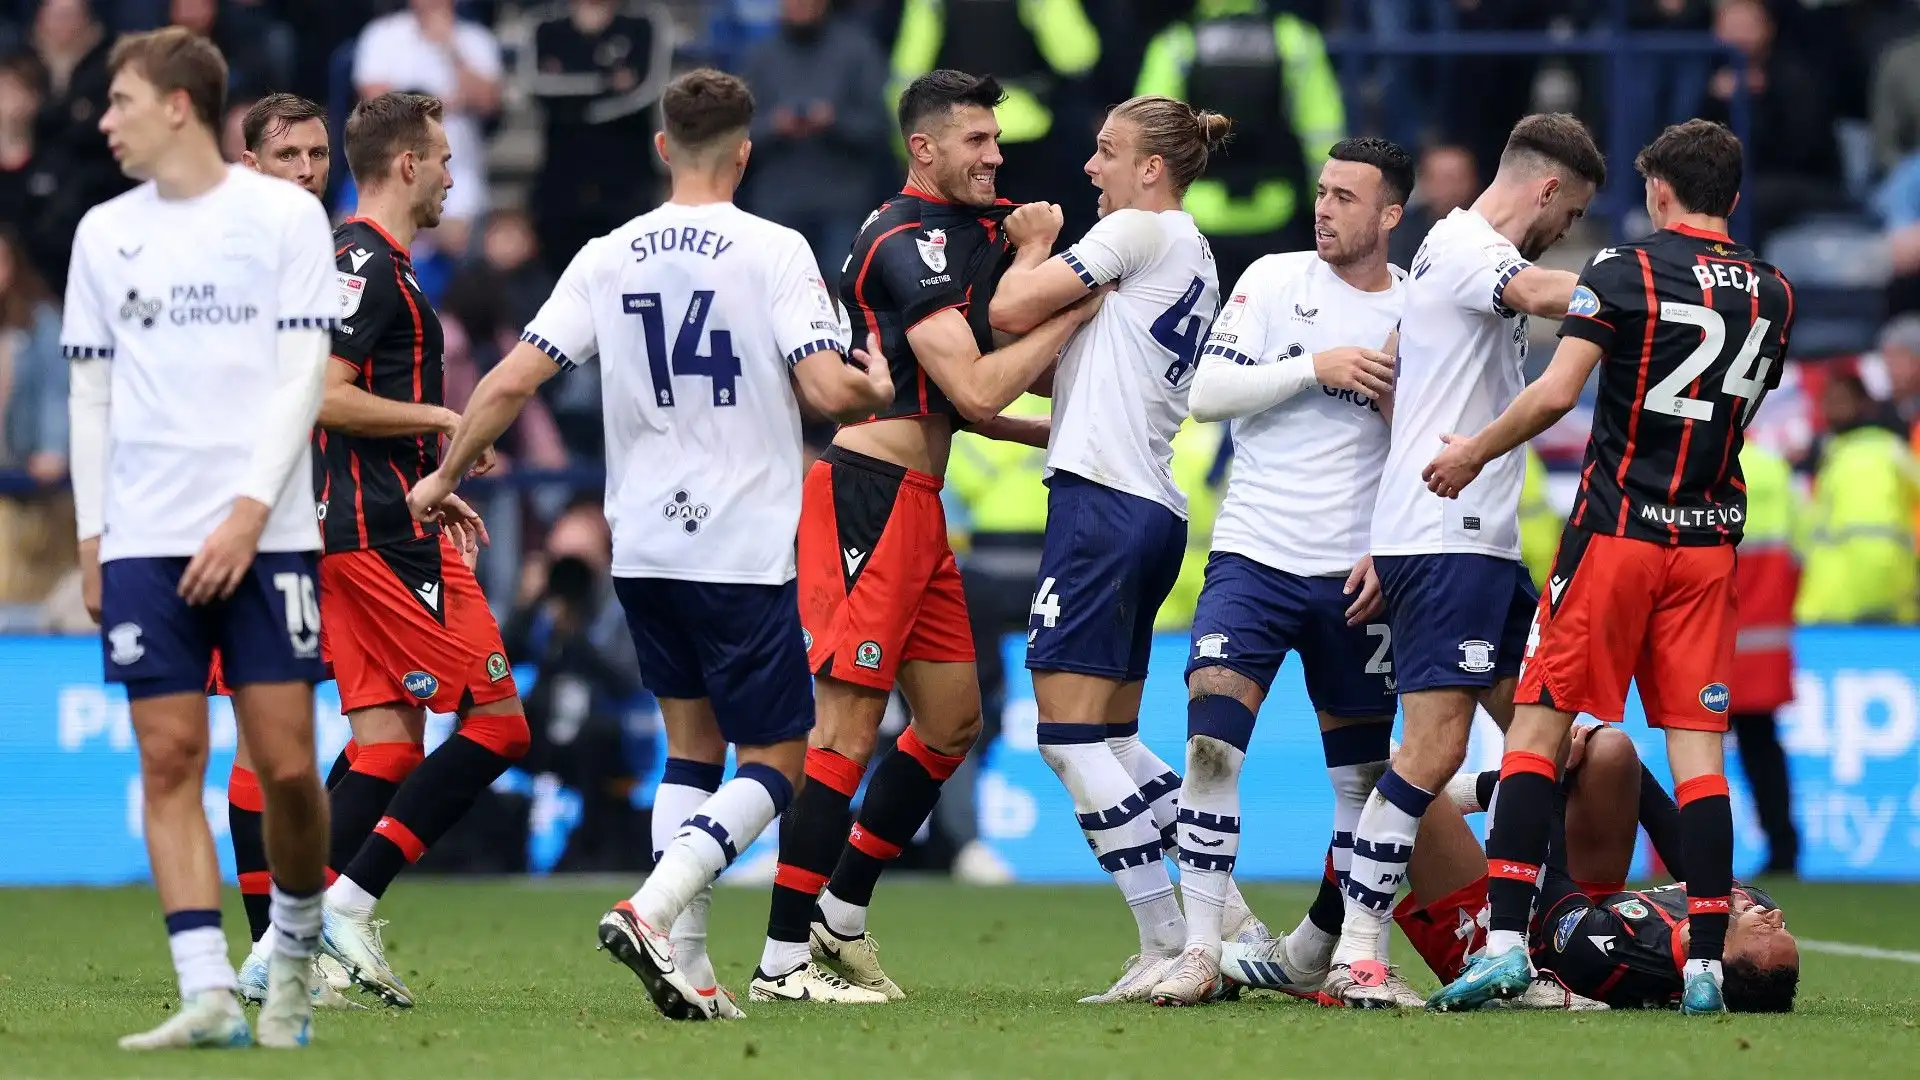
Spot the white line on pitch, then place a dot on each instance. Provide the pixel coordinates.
(1865, 952)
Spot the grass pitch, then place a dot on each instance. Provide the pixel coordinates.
(509, 985)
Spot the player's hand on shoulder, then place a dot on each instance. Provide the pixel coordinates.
(879, 373)
(1363, 584)
(1456, 466)
(1034, 224)
(1350, 367)
(216, 569)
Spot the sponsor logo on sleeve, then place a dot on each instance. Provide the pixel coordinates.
(1715, 697)
(1584, 303)
(420, 684)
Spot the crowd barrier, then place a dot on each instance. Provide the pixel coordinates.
(70, 788)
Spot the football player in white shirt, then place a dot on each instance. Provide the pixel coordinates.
(1459, 600)
(1117, 522)
(704, 317)
(1293, 362)
(197, 317)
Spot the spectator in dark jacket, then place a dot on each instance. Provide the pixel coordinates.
(820, 126)
(72, 49)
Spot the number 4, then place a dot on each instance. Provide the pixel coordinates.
(1746, 377)
(1046, 604)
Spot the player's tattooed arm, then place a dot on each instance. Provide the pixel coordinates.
(1536, 409)
(351, 410)
(1540, 291)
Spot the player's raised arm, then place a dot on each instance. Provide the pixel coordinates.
(1038, 284)
(1239, 375)
(1538, 290)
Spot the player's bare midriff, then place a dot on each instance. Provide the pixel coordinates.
(920, 443)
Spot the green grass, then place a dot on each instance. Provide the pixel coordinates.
(508, 984)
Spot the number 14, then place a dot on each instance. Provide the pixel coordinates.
(718, 364)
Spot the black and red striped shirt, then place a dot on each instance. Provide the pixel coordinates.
(1694, 329)
(1625, 948)
(388, 333)
(917, 256)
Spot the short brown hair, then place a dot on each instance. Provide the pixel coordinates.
(380, 127)
(1555, 141)
(276, 112)
(1701, 161)
(172, 58)
(703, 105)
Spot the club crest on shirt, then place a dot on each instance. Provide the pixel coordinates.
(1631, 909)
(933, 249)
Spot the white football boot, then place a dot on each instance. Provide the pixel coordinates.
(210, 1020)
(1194, 979)
(1546, 993)
(648, 953)
(286, 1016)
(811, 982)
(1136, 982)
(857, 960)
(355, 942)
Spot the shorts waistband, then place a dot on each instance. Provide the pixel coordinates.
(853, 459)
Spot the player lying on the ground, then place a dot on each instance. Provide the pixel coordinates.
(1117, 522)
(1599, 939)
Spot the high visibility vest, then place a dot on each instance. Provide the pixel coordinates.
(1765, 581)
(1284, 131)
(1027, 44)
(1858, 563)
(1001, 486)
(1540, 523)
(1196, 449)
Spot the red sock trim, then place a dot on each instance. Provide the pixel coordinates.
(1329, 871)
(330, 876)
(389, 761)
(256, 883)
(788, 876)
(400, 836)
(1516, 762)
(837, 771)
(1700, 787)
(870, 845)
(1709, 905)
(352, 750)
(506, 734)
(1509, 870)
(938, 765)
(1600, 890)
(243, 790)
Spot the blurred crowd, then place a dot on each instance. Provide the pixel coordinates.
(551, 115)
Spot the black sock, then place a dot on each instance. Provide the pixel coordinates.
(1706, 837)
(1484, 786)
(436, 797)
(1518, 838)
(341, 764)
(360, 797)
(1329, 905)
(1661, 818)
(812, 833)
(244, 829)
(902, 793)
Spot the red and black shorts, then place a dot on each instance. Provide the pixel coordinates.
(1619, 610)
(878, 582)
(407, 624)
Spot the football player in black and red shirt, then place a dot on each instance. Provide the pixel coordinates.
(880, 594)
(1692, 328)
(1594, 939)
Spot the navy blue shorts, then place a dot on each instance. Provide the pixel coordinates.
(739, 646)
(1251, 615)
(155, 643)
(1108, 562)
(1458, 620)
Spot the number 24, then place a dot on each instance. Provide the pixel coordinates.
(1746, 377)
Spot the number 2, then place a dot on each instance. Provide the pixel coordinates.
(1179, 331)
(1382, 662)
(719, 364)
(1746, 377)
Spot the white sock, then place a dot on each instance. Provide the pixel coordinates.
(710, 840)
(263, 948)
(847, 920)
(344, 895)
(200, 960)
(1382, 848)
(1352, 784)
(684, 785)
(1118, 823)
(1309, 948)
(1209, 834)
(1157, 781)
(296, 923)
(1711, 967)
(1499, 941)
(1464, 792)
(778, 958)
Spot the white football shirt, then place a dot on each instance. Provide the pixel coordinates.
(1120, 393)
(1301, 489)
(1461, 355)
(698, 314)
(185, 299)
